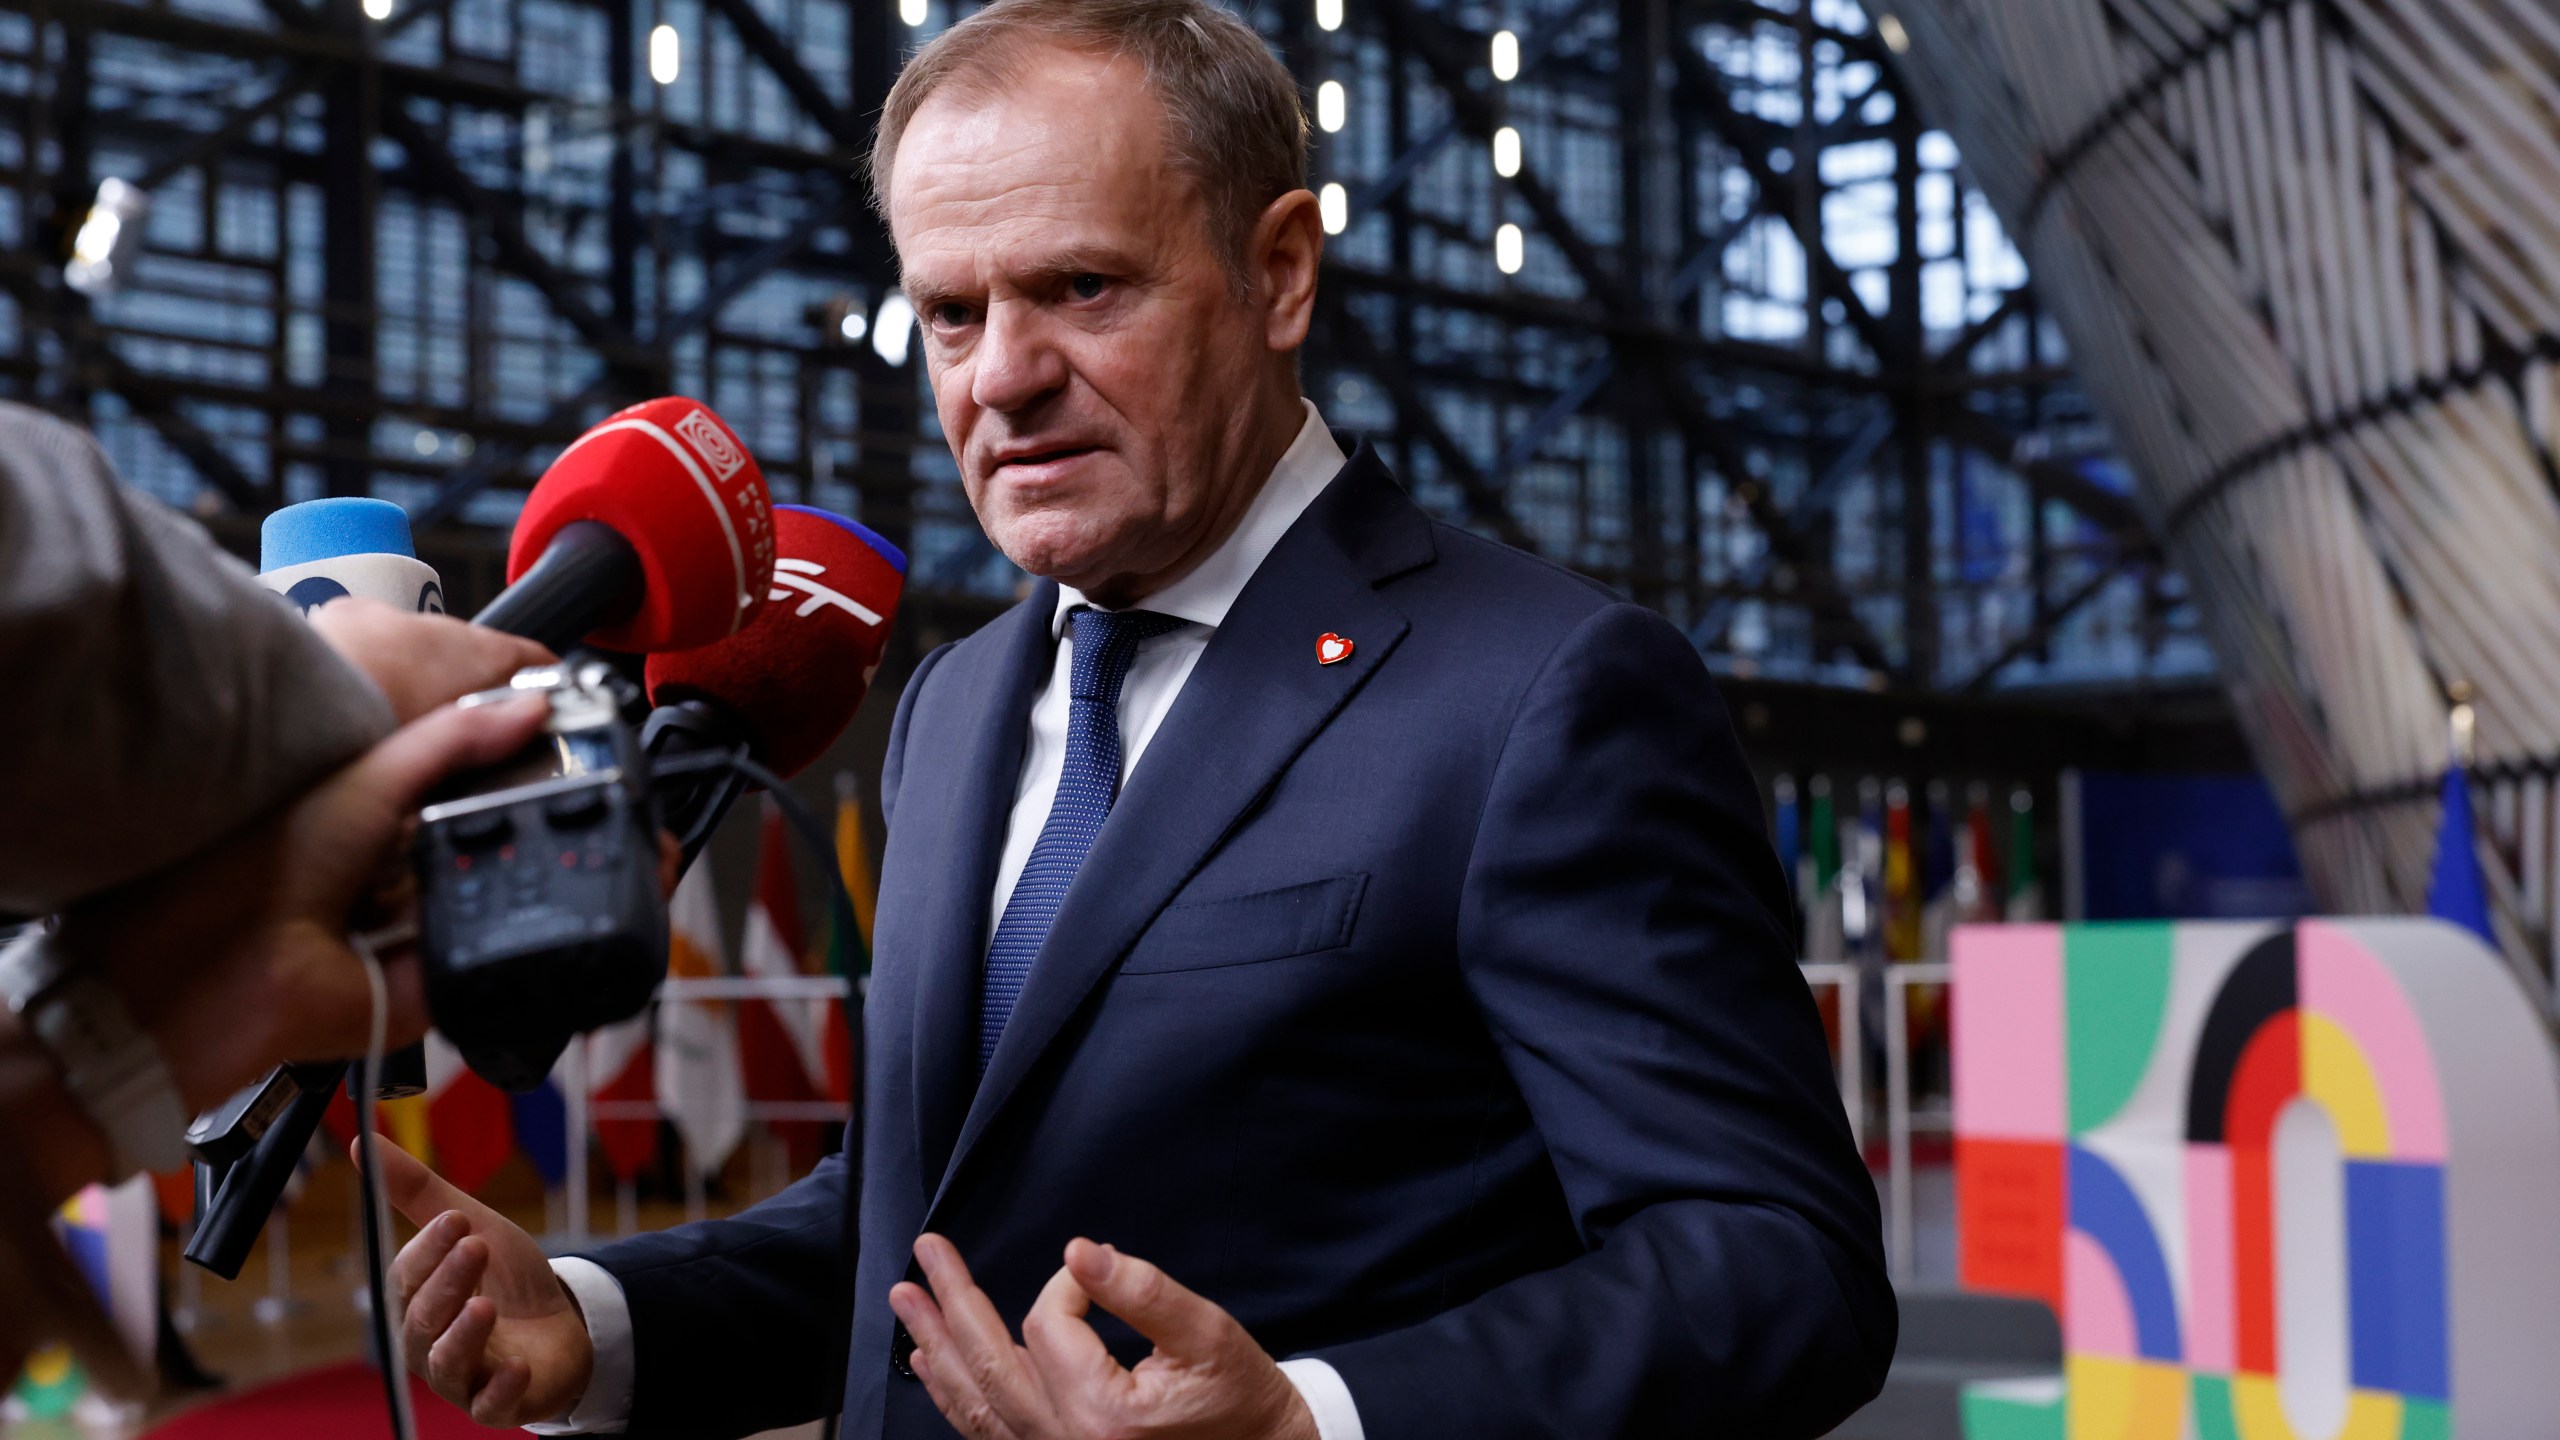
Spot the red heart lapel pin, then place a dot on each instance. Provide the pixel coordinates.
(1332, 649)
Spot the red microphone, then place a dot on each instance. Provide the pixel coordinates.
(652, 531)
(786, 685)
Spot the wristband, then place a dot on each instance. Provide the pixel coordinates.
(111, 1068)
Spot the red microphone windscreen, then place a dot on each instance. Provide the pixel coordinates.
(798, 671)
(672, 479)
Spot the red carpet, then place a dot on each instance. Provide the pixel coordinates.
(341, 1402)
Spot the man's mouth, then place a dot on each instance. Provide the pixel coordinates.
(1043, 457)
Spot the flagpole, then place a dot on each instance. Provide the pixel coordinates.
(576, 1102)
(2460, 722)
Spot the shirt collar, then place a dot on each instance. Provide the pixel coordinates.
(1206, 594)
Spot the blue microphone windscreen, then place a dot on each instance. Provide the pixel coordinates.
(326, 529)
(896, 557)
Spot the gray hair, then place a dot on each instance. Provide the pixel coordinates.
(1234, 122)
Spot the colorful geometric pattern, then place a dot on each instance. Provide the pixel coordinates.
(2124, 1097)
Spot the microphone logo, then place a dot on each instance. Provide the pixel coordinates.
(703, 434)
(310, 594)
(791, 574)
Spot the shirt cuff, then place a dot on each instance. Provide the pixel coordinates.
(1327, 1397)
(606, 1407)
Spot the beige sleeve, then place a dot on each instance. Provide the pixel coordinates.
(152, 696)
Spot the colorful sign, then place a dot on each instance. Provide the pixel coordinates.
(113, 1235)
(2279, 1182)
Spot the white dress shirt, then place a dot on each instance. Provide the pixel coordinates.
(1155, 679)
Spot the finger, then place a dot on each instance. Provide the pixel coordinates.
(938, 1362)
(1075, 1368)
(914, 1307)
(500, 1400)
(401, 769)
(978, 1332)
(419, 1258)
(1000, 1370)
(454, 1361)
(420, 1193)
(1180, 1321)
(505, 654)
(439, 1309)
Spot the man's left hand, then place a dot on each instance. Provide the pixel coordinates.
(1207, 1380)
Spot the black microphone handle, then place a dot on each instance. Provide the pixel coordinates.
(692, 805)
(588, 578)
(245, 1194)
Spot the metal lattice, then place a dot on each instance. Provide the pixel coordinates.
(1736, 333)
(2308, 255)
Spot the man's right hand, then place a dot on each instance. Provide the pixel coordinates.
(482, 1316)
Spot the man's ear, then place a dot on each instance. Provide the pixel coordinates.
(1287, 247)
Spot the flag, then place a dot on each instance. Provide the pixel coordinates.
(469, 1121)
(1940, 865)
(1819, 877)
(541, 1117)
(1790, 838)
(1901, 878)
(700, 1088)
(853, 860)
(2026, 897)
(782, 1043)
(1978, 876)
(2457, 891)
(621, 1068)
(1862, 853)
(848, 955)
(405, 1121)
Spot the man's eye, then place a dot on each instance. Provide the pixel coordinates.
(1089, 287)
(951, 312)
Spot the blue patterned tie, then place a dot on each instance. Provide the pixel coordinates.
(1105, 643)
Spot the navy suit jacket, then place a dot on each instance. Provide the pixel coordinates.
(1434, 1011)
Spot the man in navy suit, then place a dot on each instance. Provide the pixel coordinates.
(1332, 981)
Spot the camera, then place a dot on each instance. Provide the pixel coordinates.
(539, 912)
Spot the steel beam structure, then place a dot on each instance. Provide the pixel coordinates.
(1713, 456)
(1750, 368)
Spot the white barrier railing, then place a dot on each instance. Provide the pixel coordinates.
(584, 1110)
(1849, 1051)
(1898, 980)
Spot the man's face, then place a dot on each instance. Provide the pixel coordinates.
(1096, 374)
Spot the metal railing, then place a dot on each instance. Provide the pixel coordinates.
(1845, 980)
(1902, 1118)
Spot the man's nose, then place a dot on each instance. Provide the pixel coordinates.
(1017, 362)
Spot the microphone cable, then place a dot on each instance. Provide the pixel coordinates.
(374, 1199)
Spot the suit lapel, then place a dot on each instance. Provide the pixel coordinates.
(988, 767)
(1256, 697)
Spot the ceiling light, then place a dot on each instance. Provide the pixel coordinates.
(1508, 247)
(1506, 152)
(1334, 204)
(1328, 15)
(664, 57)
(1332, 103)
(897, 326)
(109, 237)
(1506, 55)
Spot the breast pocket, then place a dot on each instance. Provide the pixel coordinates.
(1248, 929)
